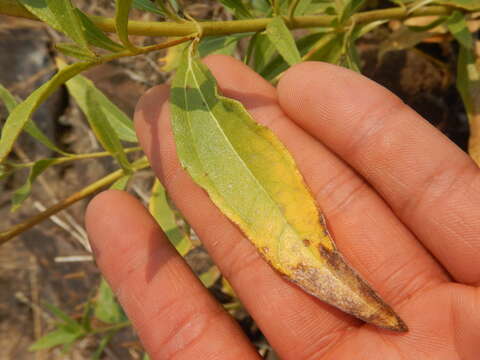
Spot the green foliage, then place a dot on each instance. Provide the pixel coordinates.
(237, 8)
(122, 9)
(21, 114)
(166, 218)
(269, 49)
(282, 39)
(107, 308)
(24, 191)
(67, 331)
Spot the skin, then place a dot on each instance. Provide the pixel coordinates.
(401, 200)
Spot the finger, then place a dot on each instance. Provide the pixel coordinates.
(174, 315)
(429, 182)
(363, 225)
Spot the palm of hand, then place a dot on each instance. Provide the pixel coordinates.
(406, 218)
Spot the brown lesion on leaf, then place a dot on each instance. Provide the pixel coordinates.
(306, 242)
(339, 285)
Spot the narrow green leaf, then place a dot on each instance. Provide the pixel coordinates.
(95, 36)
(92, 33)
(31, 128)
(54, 338)
(250, 176)
(162, 212)
(220, 44)
(122, 9)
(310, 7)
(281, 37)
(458, 27)
(97, 355)
(23, 192)
(427, 27)
(41, 10)
(122, 125)
(468, 85)
(237, 8)
(347, 8)
(86, 320)
(69, 22)
(121, 183)
(20, 115)
(209, 277)
(147, 5)
(75, 51)
(67, 319)
(319, 46)
(100, 125)
(7, 98)
(463, 4)
(107, 308)
(401, 39)
(262, 51)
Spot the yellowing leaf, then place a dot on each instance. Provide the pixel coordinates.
(254, 181)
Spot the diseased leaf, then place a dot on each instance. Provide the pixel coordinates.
(20, 115)
(122, 9)
(282, 39)
(24, 191)
(107, 308)
(253, 180)
(122, 125)
(162, 212)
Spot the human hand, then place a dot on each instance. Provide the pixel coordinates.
(401, 200)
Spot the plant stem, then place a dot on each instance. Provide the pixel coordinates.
(62, 204)
(115, 327)
(64, 159)
(145, 28)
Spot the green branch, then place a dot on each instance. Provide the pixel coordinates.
(146, 28)
(62, 204)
